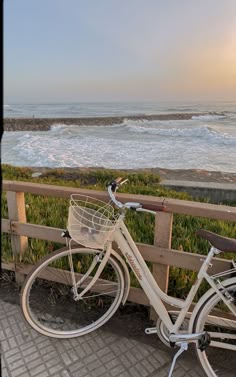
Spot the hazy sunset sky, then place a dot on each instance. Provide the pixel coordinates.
(119, 50)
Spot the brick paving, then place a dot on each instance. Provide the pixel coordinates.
(25, 353)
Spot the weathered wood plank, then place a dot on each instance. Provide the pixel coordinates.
(171, 205)
(16, 211)
(162, 238)
(6, 225)
(8, 266)
(136, 295)
(150, 253)
(42, 232)
(182, 259)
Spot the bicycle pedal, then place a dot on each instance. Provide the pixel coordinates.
(186, 338)
(151, 330)
(204, 341)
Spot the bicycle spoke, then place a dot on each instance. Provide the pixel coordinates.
(49, 303)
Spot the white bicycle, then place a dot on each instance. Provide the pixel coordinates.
(74, 291)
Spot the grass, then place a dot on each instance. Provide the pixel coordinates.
(54, 211)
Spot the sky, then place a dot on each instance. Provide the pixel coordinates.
(119, 50)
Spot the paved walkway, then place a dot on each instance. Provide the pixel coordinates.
(25, 353)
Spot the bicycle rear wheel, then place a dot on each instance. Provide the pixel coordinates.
(219, 358)
(47, 298)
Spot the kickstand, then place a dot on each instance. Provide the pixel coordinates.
(183, 347)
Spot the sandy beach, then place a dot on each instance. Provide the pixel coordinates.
(44, 124)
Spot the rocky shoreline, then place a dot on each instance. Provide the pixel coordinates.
(44, 124)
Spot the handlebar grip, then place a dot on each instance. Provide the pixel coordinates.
(118, 180)
(115, 183)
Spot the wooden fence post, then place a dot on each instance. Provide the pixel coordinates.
(162, 238)
(16, 211)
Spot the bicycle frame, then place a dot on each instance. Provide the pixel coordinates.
(202, 326)
(155, 295)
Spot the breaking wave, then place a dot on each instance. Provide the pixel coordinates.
(209, 117)
(203, 132)
(175, 144)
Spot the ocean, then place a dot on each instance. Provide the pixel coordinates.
(202, 142)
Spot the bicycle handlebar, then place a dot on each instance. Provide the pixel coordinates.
(113, 198)
(112, 188)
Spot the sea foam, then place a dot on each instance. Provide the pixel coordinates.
(209, 117)
(180, 144)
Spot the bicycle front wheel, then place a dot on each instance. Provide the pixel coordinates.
(219, 358)
(48, 301)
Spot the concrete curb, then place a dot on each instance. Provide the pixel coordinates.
(216, 192)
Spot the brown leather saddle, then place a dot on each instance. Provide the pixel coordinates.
(221, 243)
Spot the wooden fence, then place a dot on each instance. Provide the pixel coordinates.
(160, 254)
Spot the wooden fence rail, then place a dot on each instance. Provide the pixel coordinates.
(160, 254)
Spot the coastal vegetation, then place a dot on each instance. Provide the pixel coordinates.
(54, 211)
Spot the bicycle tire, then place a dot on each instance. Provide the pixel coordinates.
(47, 300)
(215, 360)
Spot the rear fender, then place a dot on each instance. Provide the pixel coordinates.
(205, 297)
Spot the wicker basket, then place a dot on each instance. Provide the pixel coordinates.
(91, 221)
